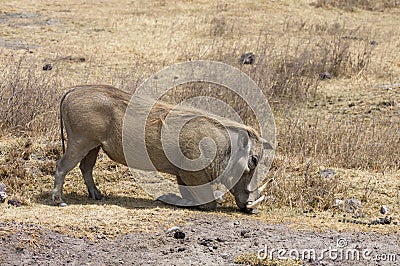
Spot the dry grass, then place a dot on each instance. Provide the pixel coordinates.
(345, 143)
(353, 5)
(28, 98)
(348, 123)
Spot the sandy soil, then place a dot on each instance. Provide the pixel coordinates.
(208, 240)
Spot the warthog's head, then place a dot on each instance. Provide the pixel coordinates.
(247, 151)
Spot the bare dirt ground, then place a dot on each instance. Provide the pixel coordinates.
(208, 240)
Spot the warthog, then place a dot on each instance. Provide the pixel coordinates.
(93, 118)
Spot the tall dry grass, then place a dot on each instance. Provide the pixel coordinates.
(28, 97)
(343, 143)
(287, 72)
(352, 5)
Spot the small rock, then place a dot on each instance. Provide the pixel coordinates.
(327, 173)
(210, 249)
(373, 42)
(179, 235)
(3, 192)
(172, 229)
(63, 204)
(252, 211)
(224, 255)
(181, 249)
(247, 58)
(51, 21)
(236, 223)
(244, 233)
(94, 228)
(373, 222)
(387, 220)
(349, 205)
(101, 236)
(384, 209)
(324, 75)
(47, 67)
(205, 242)
(353, 204)
(14, 202)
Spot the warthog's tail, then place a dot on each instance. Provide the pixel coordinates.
(62, 131)
(61, 120)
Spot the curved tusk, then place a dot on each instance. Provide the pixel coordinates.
(254, 205)
(263, 187)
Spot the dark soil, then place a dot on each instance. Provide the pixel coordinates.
(206, 240)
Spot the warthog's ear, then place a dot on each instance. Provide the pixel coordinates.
(266, 144)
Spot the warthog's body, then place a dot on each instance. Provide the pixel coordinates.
(93, 117)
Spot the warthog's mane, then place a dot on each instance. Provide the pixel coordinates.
(161, 110)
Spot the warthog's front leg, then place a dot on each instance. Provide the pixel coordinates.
(201, 197)
(176, 200)
(202, 194)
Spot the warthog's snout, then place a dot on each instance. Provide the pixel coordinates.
(254, 199)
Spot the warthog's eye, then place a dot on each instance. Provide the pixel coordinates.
(253, 161)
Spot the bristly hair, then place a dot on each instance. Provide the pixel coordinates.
(161, 109)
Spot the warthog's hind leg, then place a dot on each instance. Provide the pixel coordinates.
(86, 167)
(74, 154)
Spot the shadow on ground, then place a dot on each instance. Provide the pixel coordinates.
(129, 202)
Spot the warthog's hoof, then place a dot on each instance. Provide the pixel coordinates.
(250, 211)
(95, 194)
(56, 198)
